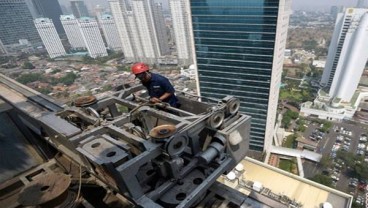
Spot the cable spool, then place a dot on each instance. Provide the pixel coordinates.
(216, 119)
(176, 145)
(232, 106)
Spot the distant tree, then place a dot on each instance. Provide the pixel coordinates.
(68, 79)
(322, 179)
(27, 65)
(310, 45)
(31, 77)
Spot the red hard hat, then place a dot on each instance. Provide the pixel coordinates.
(139, 68)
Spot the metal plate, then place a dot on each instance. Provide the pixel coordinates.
(163, 131)
(44, 189)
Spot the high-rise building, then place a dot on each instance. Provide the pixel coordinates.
(119, 12)
(159, 23)
(16, 23)
(180, 22)
(49, 37)
(79, 9)
(142, 11)
(347, 54)
(2, 48)
(47, 9)
(360, 4)
(140, 26)
(92, 37)
(74, 35)
(110, 32)
(239, 50)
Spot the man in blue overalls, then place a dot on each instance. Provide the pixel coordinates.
(159, 87)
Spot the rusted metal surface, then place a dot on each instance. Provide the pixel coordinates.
(85, 101)
(163, 131)
(45, 189)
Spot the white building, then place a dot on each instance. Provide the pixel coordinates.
(163, 39)
(49, 37)
(142, 11)
(92, 37)
(119, 12)
(180, 21)
(141, 29)
(347, 55)
(110, 32)
(74, 35)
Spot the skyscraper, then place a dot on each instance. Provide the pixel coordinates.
(47, 9)
(140, 26)
(49, 36)
(159, 23)
(16, 23)
(119, 11)
(79, 9)
(239, 51)
(110, 32)
(92, 37)
(143, 15)
(180, 21)
(74, 35)
(347, 54)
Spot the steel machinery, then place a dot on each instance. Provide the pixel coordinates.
(119, 150)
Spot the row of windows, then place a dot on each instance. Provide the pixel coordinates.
(211, 3)
(227, 10)
(232, 69)
(235, 76)
(239, 19)
(245, 102)
(239, 42)
(236, 35)
(244, 57)
(249, 96)
(238, 87)
(235, 49)
(236, 72)
(235, 63)
(233, 27)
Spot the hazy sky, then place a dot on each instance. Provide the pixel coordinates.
(321, 5)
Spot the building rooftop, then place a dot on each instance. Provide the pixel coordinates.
(303, 191)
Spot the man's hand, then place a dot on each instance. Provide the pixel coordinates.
(155, 100)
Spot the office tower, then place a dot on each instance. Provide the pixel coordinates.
(48, 9)
(74, 35)
(119, 12)
(239, 51)
(79, 9)
(180, 22)
(110, 32)
(92, 37)
(360, 4)
(159, 23)
(2, 48)
(347, 54)
(16, 23)
(49, 37)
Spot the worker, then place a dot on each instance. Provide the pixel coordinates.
(159, 87)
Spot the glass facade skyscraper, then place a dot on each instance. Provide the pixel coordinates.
(239, 46)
